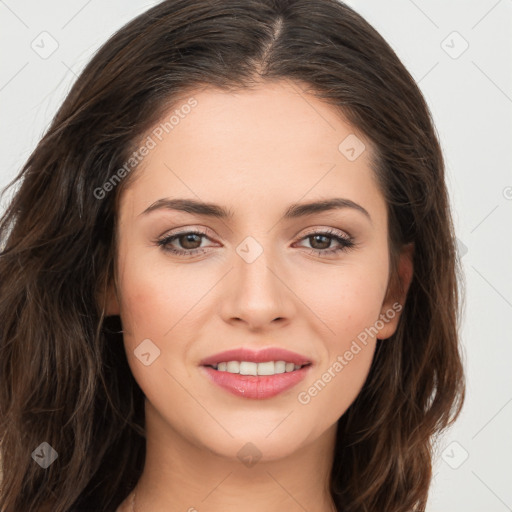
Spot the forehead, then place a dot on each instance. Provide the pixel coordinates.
(274, 143)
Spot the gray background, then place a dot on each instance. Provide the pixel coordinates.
(469, 91)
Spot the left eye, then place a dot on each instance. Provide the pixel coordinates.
(190, 241)
(344, 243)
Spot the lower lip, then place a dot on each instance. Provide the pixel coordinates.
(257, 387)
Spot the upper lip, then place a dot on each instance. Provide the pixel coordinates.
(259, 356)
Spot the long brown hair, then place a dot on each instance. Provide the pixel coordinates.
(64, 377)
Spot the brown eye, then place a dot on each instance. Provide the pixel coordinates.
(188, 242)
(321, 242)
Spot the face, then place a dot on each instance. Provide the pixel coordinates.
(312, 281)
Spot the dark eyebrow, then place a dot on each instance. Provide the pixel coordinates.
(336, 203)
(292, 212)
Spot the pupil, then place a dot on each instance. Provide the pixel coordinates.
(324, 237)
(190, 238)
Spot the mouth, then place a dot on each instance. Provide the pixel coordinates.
(256, 375)
(252, 368)
(265, 355)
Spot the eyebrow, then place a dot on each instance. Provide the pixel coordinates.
(292, 212)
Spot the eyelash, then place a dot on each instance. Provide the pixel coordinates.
(347, 243)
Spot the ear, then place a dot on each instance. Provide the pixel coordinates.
(396, 294)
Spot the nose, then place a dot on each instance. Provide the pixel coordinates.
(256, 293)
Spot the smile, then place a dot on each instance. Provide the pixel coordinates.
(251, 368)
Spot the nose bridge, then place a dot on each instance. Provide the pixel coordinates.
(258, 294)
(255, 264)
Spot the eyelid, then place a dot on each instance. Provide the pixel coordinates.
(187, 229)
(327, 229)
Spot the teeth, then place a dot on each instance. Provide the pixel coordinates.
(247, 368)
(250, 368)
(280, 367)
(233, 367)
(267, 368)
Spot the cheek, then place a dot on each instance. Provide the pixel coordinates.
(141, 308)
(344, 299)
(335, 387)
(154, 297)
(160, 303)
(154, 304)
(349, 342)
(348, 303)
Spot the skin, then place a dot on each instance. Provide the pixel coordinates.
(254, 152)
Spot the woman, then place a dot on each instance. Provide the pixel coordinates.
(228, 277)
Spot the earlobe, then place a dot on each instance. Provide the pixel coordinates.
(396, 294)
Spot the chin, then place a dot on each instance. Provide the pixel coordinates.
(251, 445)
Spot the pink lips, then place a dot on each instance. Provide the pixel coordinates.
(257, 387)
